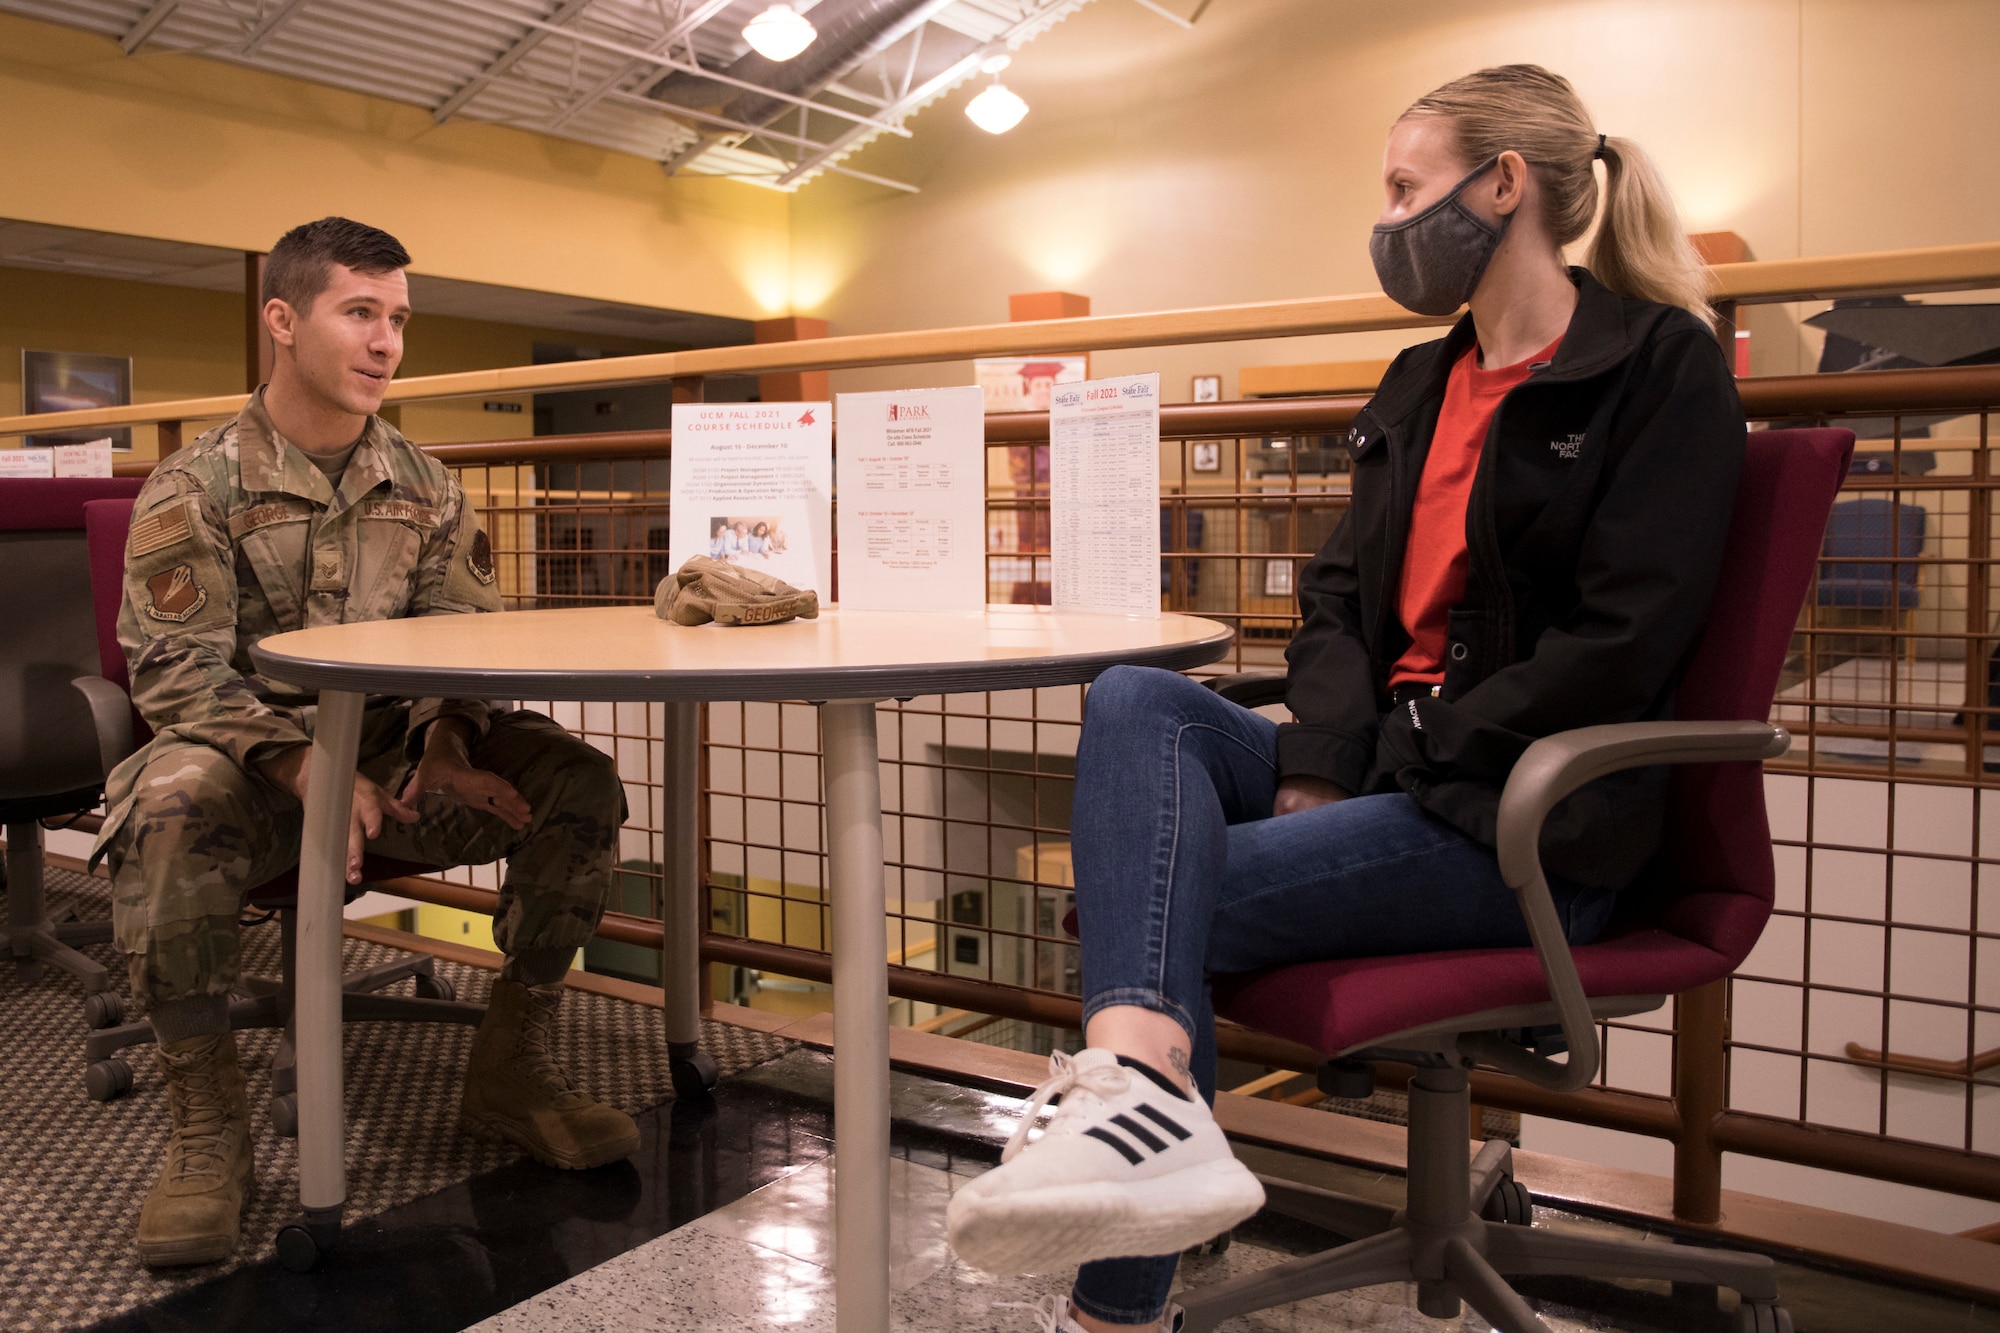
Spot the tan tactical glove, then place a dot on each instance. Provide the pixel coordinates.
(706, 589)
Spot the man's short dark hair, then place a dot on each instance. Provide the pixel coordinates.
(300, 265)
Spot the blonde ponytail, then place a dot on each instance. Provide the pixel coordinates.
(1640, 248)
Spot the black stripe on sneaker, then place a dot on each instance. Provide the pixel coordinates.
(1163, 1120)
(1139, 1132)
(1103, 1135)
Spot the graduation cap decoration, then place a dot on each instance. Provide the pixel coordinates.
(1892, 333)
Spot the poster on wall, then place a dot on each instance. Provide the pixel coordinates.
(912, 474)
(1104, 495)
(75, 382)
(1023, 383)
(753, 486)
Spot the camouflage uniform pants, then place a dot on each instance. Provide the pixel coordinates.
(202, 833)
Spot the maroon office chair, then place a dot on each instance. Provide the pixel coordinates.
(1467, 1227)
(49, 764)
(260, 1002)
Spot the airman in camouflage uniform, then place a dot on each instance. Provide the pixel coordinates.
(248, 534)
(240, 537)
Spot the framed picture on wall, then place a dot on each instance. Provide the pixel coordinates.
(74, 382)
(1207, 456)
(1208, 388)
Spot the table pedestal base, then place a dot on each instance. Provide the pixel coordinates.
(860, 1016)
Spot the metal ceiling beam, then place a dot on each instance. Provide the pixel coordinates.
(149, 22)
(1166, 13)
(964, 68)
(269, 24)
(528, 41)
(668, 62)
(686, 27)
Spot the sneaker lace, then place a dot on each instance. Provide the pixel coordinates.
(1064, 1077)
(1053, 1312)
(1049, 1311)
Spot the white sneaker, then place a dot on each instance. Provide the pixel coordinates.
(1053, 1314)
(1124, 1168)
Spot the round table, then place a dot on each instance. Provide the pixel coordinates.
(843, 661)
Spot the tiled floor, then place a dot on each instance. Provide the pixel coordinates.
(722, 1221)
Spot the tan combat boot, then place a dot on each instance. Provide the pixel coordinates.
(195, 1210)
(515, 1090)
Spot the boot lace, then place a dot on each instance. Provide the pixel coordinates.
(534, 1056)
(202, 1121)
(1065, 1077)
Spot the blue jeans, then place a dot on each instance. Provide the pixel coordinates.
(1182, 873)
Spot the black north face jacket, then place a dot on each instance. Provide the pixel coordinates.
(1594, 532)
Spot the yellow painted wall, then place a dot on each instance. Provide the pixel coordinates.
(1159, 168)
(188, 343)
(196, 150)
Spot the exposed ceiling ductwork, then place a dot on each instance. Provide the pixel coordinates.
(850, 31)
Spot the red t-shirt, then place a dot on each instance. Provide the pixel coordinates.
(1434, 562)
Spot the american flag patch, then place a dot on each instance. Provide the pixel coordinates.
(157, 531)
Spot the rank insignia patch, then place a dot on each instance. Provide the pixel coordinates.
(479, 560)
(173, 596)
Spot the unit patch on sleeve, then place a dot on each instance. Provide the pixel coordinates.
(479, 560)
(157, 531)
(173, 595)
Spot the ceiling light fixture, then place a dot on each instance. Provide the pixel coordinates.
(779, 33)
(998, 108)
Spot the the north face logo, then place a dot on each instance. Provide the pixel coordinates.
(1567, 446)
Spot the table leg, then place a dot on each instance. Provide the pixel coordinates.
(860, 1016)
(316, 981)
(692, 1069)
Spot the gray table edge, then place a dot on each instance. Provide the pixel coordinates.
(745, 684)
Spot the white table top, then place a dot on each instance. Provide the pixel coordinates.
(626, 653)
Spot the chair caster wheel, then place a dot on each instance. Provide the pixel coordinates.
(1772, 1318)
(1510, 1204)
(693, 1069)
(436, 988)
(284, 1109)
(1213, 1245)
(107, 1080)
(305, 1243)
(103, 1010)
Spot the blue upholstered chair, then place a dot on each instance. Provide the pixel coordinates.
(1869, 561)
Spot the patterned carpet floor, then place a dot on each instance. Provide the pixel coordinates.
(73, 1172)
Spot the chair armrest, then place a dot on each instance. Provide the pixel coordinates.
(1252, 689)
(111, 713)
(1552, 768)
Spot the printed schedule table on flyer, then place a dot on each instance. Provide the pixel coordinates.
(850, 660)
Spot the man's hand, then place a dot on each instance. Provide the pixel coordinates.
(1296, 794)
(290, 769)
(446, 770)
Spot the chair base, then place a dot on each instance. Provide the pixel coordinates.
(266, 1002)
(1441, 1242)
(38, 935)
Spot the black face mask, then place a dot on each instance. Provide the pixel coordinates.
(1431, 263)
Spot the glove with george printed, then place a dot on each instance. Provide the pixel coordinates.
(706, 589)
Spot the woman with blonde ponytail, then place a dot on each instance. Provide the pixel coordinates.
(1538, 511)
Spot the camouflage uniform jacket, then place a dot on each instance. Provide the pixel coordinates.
(240, 536)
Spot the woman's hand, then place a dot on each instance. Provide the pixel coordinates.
(1296, 794)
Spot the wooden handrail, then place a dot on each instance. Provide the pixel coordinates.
(1940, 268)
(1924, 1064)
(1948, 388)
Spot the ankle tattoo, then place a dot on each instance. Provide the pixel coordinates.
(1178, 1058)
